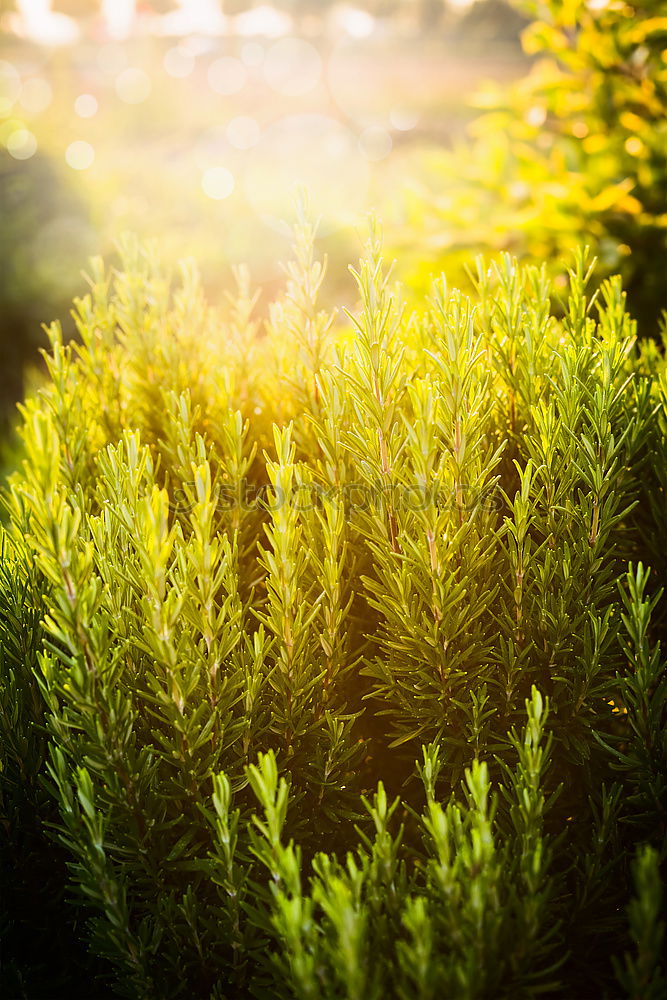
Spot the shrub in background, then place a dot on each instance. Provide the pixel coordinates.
(330, 659)
(576, 151)
(45, 239)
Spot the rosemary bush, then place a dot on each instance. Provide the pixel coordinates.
(330, 655)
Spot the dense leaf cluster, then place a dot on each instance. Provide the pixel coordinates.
(330, 659)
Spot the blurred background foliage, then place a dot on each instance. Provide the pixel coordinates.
(469, 128)
(574, 152)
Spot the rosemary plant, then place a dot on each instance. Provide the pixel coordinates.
(330, 659)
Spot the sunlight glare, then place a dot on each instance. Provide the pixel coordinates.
(355, 23)
(264, 21)
(292, 67)
(310, 152)
(194, 17)
(119, 17)
(37, 22)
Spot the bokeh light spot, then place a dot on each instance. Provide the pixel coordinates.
(355, 23)
(133, 86)
(86, 106)
(227, 75)
(80, 155)
(292, 67)
(403, 119)
(536, 116)
(217, 183)
(21, 144)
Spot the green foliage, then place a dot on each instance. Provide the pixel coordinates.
(470, 919)
(642, 974)
(250, 576)
(576, 151)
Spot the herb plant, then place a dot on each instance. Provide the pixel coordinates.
(330, 654)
